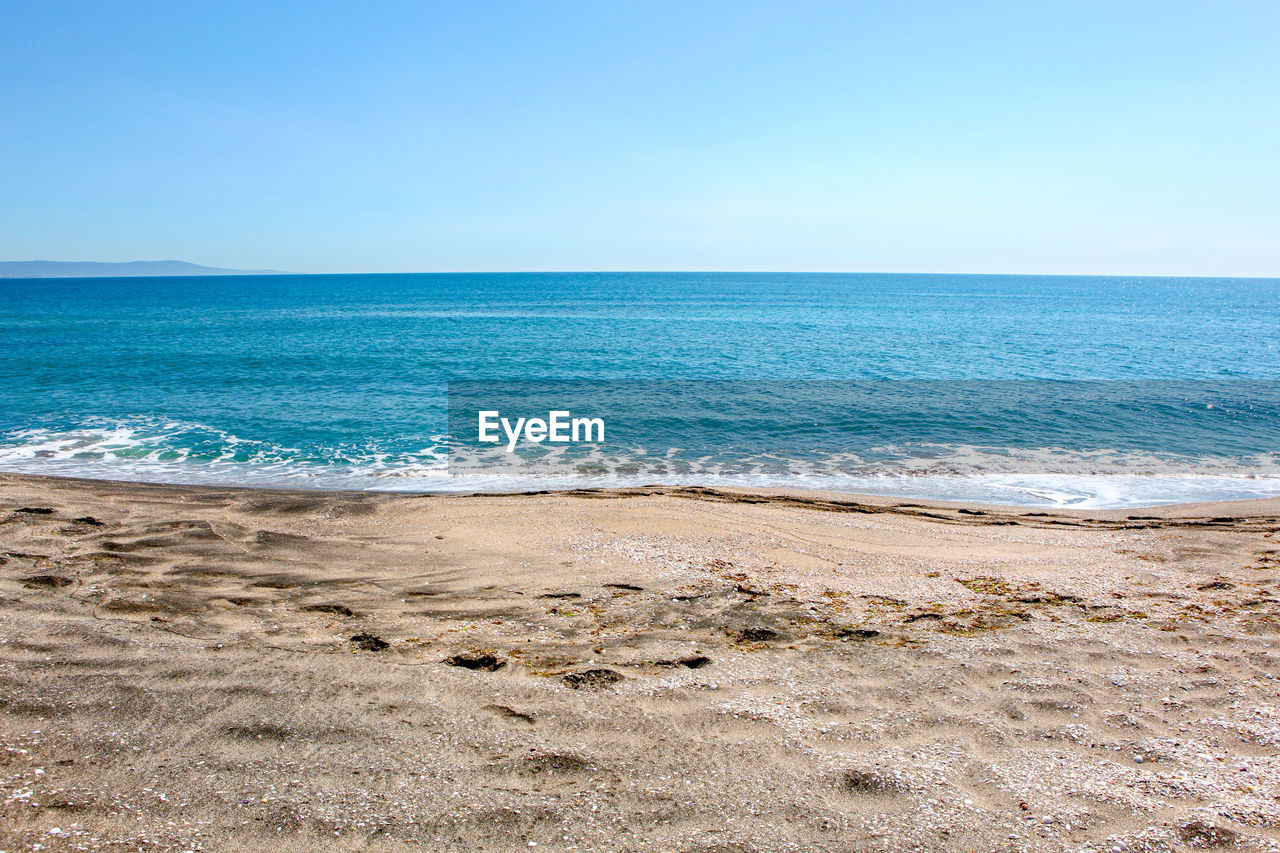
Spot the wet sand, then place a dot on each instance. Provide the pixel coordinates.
(651, 669)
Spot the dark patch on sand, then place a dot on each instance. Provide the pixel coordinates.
(691, 662)
(274, 538)
(1206, 836)
(334, 609)
(370, 642)
(481, 662)
(46, 581)
(867, 782)
(284, 581)
(592, 679)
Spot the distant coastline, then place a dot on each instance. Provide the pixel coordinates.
(100, 269)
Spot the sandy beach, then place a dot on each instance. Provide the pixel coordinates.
(196, 668)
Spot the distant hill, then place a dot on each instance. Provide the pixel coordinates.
(97, 269)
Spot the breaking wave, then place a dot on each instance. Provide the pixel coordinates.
(179, 452)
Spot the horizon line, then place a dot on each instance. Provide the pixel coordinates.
(230, 272)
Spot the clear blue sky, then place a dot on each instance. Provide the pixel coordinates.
(1073, 137)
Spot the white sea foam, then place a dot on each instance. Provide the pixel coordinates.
(177, 452)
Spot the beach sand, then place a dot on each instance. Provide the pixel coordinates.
(654, 669)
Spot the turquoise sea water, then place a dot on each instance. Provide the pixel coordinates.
(341, 381)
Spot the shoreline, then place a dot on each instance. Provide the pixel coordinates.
(696, 670)
(1248, 509)
(816, 498)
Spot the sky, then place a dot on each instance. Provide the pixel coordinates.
(1124, 138)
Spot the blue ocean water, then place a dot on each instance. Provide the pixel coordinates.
(341, 380)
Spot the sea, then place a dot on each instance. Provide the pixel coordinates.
(1039, 391)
